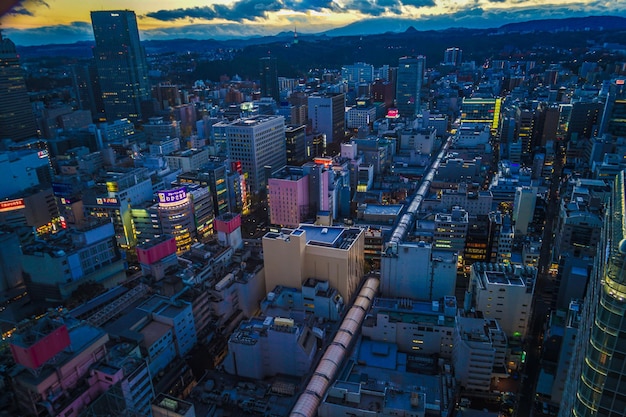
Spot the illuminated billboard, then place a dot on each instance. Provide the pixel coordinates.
(106, 201)
(172, 196)
(393, 114)
(10, 205)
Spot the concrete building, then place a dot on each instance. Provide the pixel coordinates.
(435, 279)
(524, 208)
(568, 342)
(257, 142)
(346, 399)
(580, 221)
(357, 73)
(451, 230)
(479, 353)
(496, 287)
(472, 135)
(63, 386)
(269, 346)
(420, 141)
(188, 160)
(327, 115)
(177, 315)
(416, 327)
(316, 298)
(361, 115)
(23, 170)
(333, 254)
(57, 267)
(288, 192)
(474, 202)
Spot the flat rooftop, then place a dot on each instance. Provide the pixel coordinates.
(497, 277)
(380, 209)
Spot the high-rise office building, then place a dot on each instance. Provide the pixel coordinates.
(121, 63)
(453, 56)
(357, 73)
(597, 373)
(268, 70)
(410, 76)
(17, 120)
(614, 116)
(327, 113)
(258, 142)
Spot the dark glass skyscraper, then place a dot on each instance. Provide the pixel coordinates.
(269, 78)
(121, 63)
(597, 375)
(410, 76)
(17, 120)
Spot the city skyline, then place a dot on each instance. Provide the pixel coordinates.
(32, 22)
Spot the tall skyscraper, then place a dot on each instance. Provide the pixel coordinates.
(17, 120)
(269, 78)
(121, 63)
(410, 76)
(614, 115)
(598, 363)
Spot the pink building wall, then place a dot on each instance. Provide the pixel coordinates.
(157, 252)
(288, 201)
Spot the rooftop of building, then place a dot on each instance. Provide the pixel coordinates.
(154, 331)
(334, 237)
(381, 371)
(382, 209)
(81, 335)
(254, 120)
(418, 312)
(291, 173)
(172, 404)
(502, 274)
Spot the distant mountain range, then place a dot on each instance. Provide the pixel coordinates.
(367, 27)
(383, 25)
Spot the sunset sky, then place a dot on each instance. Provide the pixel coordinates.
(32, 22)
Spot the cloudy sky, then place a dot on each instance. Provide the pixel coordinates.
(32, 22)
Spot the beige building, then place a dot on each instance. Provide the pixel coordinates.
(334, 254)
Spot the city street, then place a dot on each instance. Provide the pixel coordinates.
(544, 293)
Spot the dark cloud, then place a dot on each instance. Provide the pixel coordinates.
(75, 31)
(25, 7)
(242, 10)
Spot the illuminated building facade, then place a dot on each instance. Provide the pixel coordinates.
(176, 216)
(481, 110)
(595, 384)
(121, 188)
(121, 63)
